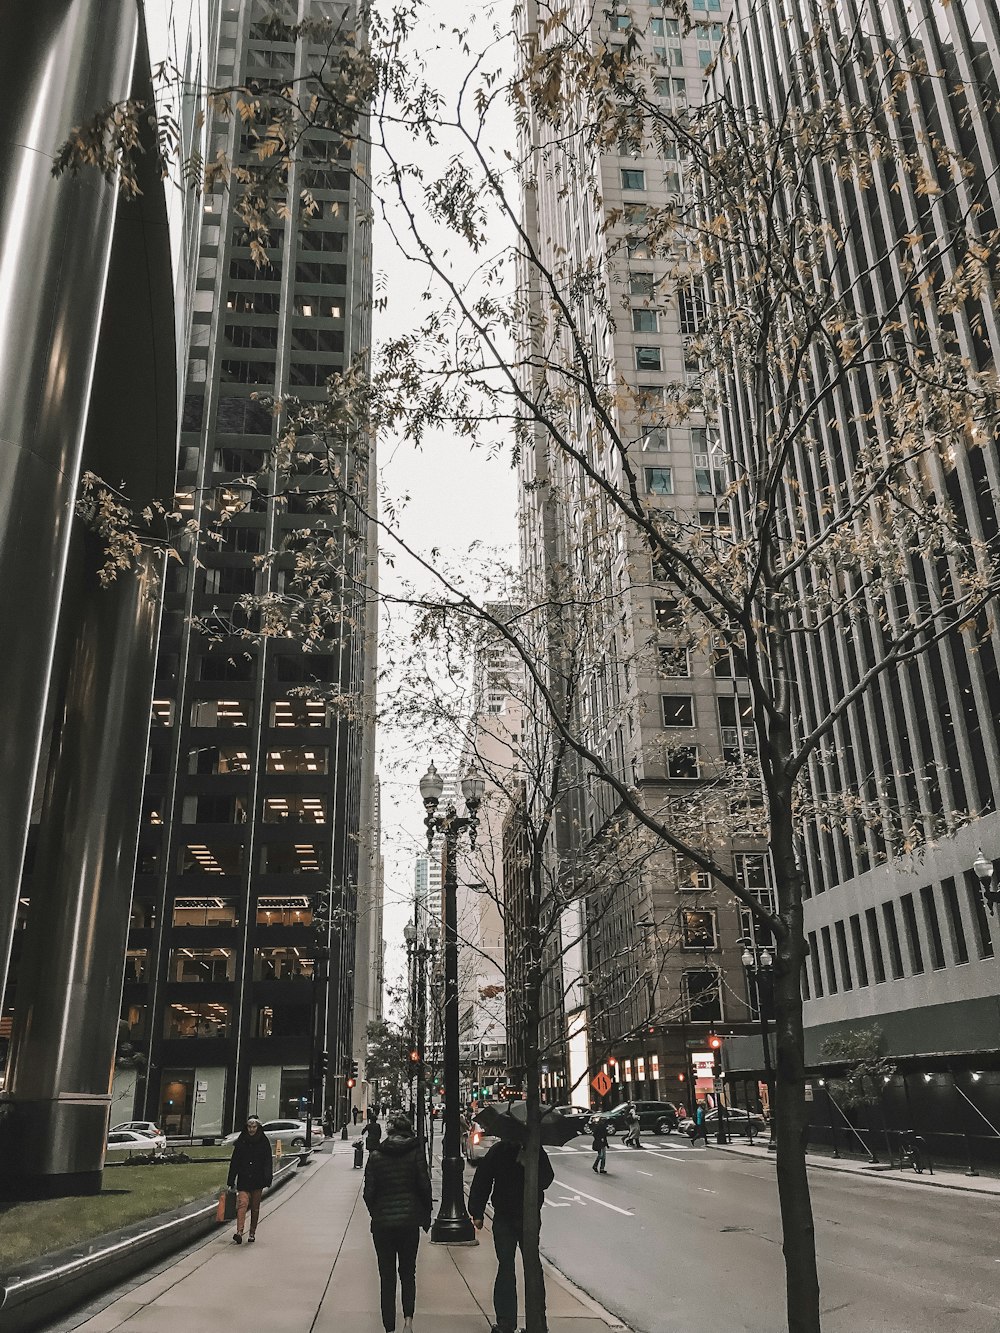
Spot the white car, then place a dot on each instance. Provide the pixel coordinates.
(126, 1142)
(292, 1133)
(147, 1127)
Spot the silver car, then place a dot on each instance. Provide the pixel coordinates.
(147, 1127)
(292, 1133)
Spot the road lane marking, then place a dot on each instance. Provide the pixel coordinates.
(581, 1194)
(645, 1173)
(706, 1191)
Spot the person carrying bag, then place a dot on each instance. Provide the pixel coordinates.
(250, 1171)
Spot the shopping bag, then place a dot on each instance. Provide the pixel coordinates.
(226, 1210)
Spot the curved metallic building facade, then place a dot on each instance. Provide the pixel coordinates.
(89, 322)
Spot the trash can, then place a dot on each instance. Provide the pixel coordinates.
(359, 1154)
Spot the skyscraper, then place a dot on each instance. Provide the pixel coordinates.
(241, 964)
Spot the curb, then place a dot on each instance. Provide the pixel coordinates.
(930, 1182)
(584, 1297)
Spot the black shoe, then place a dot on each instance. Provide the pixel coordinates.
(251, 1238)
(238, 1238)
(603, 1171)
(593, 1168)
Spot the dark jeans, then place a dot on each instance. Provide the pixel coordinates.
(506, 1239)
(397, 1245)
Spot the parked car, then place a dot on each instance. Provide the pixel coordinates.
(573, 1110)
(738, 1122)
(476, 1143)
(147, 1127)
(125, 1142)
(660, 1117)
(292, 1133)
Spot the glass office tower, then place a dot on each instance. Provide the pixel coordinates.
(256, 802)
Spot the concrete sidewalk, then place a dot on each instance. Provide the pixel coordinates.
(943, 1177)
(313, 1270)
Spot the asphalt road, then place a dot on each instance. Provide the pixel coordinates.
(688, 1239)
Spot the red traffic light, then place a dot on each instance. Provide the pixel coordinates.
(350, 1082)
(715, 1042)
(414, 1057)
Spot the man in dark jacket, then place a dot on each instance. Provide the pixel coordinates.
(500, 1175)
(250, 1170)
(398, 1196)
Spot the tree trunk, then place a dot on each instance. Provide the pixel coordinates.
(798, 1233)
(534, 1280)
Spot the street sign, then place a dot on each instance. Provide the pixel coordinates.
(601, 1084)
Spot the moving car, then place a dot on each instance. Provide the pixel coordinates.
(124, 1142)
(660, 1117)
(738, 1122)
(573, 1110)
(147, 1127)
(292, 1133)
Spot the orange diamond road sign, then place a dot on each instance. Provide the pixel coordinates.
(601, 1084)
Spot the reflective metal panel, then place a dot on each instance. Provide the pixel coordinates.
(60, 60)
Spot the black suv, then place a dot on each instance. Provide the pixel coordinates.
(660, 1117)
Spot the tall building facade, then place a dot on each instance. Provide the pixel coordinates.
(95, 293)
(258, 820)
(905, 944)
(651, 968)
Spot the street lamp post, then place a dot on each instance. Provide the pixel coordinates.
(419, 956)
(758, 962)
(452, 1224)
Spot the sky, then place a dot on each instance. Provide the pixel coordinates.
(454, 495)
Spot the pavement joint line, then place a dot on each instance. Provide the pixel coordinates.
(336, 1257)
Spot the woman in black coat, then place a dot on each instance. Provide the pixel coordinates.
(250, 1171)
(398, 1196)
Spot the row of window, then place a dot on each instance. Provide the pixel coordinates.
(302, 857)
(211, 713)
(887, 943)
(286, 963)
(221, 912)
(212, 1021)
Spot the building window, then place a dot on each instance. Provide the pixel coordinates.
(136, 964)
(814, 966)
(198, 858)
(673, 661)
(300, 759)
(641, 284)
(163, 712)
(860, 964)
(638, 247)
(912, 933)
(690, 876)
(299, 712)
(286, 910)
(220, 713)
(956, 927)
(739, 738)
(287, 858)
(667, 615)
(645, 321)
(875, 944)
(984, 941)
(647, 358)
(698, 929)
(201, 965)
(702, 995)
(933, 925)
(284, 964)
(282, 1020)
(633, 178)
(831, 971)
(620, 22)
(678, 710)
(183, 1020)
(295, 809)
(846, 975)
(683, 762)
(659, 481)
(892, 936)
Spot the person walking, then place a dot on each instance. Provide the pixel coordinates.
(397, 1194)
(600, 1132)
(500, 1176)
(372, 1133)
(251, 1170)
(355, 1112)
(632, 1137)
(700, 1129)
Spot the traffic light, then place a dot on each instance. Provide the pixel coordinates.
(351, 1082)
(414, 1057)
(715, 1046)
(354, 1072)
(322, 1065)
